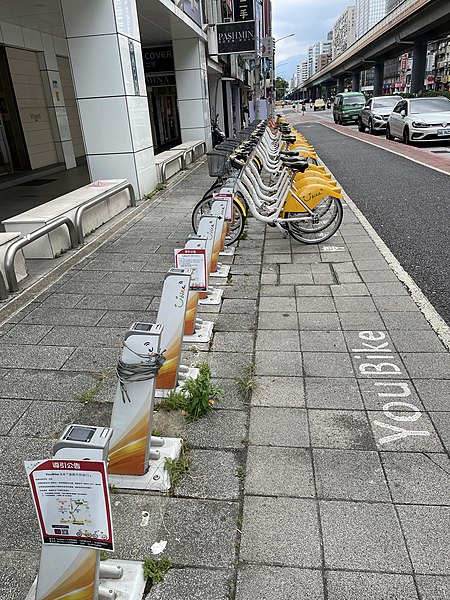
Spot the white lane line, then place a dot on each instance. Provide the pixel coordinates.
(430, 313)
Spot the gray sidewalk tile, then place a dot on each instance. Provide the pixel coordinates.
(64, 300)
(74, 286)
(350, 475)
(25, 334)
(418, 435)
(322, 341)
(34, 357)
(427, 531)
(230, 365)
(139, 303)
(273, 471)
(361, 321)
(345, 268)
(274, 320)
(11, 412)
(232, 398)
(415, 478)
(284, 392)
(394, 288)
(342, 585)
(245, 292)
(277, 290)
(312, 290)
(46, 419)
(149, 289)
(282, 583)
(278, 340)
(323, 278)
(378, 276)
(400, 392)
(133, 278)
(192, 584)
(426, 366)
(12, 563)
(372, 265)
(327, 364)
(347, 304)
(45, 385)
(395, 303)
(405, 320)
(268, 304)
(19, 516)
(14, 451)
(223, 429)
(309, 258)
(124, 318)
(276, 363)
(283, 427)
(340, 429)
(233, 305)
(349, 278)
(235, 322)
(280, 531)
(349, 289)
(332, 392)
(298, 279)
(84, 336)
(212, 474)
(201, 533)
(95, 360)
(57, 316)
(434, 393)
(271, 258)
(317, 304)
(241, 341)
(315, 321)
(362, 536)
(441, 421)
(433, 587)
(416, 341)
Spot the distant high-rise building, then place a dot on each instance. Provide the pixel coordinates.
(391, 4)
(304, 74)
(344, 31)
(367, 14)
(314, 51)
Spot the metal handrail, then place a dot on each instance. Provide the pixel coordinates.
(23, 241)
(90, 203)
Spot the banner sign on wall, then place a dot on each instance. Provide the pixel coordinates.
(243, 10)
(158, 60)
(235, 38)
(192, 9)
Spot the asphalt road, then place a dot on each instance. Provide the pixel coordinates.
(407, 204)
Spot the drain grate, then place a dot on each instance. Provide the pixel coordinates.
(36, 182)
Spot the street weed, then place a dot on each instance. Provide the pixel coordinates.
(155, 569)
(177, 468)
(104, 555)
(240, 473)
(90, 395)
(247, 383)
(159, 188)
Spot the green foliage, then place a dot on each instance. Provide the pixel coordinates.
(197, 396)
(159, 188)
(247, 383)
(240, 473)
(104, 555)
(90, 395)
(155, 569)
(280, 87)
(178, 467)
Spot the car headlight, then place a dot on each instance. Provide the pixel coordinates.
(378, 117)
(419, 124)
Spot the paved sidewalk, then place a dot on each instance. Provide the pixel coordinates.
(330, 482)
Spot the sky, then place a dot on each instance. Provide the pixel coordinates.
(310, 20)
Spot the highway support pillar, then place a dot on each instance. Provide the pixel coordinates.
(356, 77)
(378, 78)
(341, 83)
(418, 66)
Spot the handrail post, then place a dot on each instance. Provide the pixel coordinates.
(3, 289)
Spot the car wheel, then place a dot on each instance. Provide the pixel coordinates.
(371, 129)
(406, 139)
(388, 133)
(361, 126)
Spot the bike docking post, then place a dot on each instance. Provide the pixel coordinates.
(226, 193)
(207, 229)
(72, 502)
(193, 256)
(172, 315)
(133, 462)
(219, 209)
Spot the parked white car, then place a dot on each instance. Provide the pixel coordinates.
(376, 112)
(420, 120)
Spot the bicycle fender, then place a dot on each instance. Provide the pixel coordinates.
(311, 195)
(241, 205)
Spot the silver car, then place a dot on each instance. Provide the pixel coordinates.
(420, 120)
(375, 113)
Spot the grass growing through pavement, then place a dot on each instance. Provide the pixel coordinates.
(178, 467)
(247, 383)
(91, 394)
(155, 569)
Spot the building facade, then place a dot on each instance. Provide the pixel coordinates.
(344, 31)
(367, 14)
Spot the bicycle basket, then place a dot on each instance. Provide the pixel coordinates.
(217, 163)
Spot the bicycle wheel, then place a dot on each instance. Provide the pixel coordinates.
(322, 225)
(203, 207)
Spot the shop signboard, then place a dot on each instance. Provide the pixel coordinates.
(71, 498)
(158, 60)
(243, 10)
(192, 9)
(235, 38)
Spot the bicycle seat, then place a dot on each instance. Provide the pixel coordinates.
(288, 138)
(289, 153)
(295, 165)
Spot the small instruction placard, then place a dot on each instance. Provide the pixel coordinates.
(228, 197)
(194, 259)
(71, 498)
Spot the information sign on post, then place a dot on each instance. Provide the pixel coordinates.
(194, 259)
(228, 198)
(71, 498)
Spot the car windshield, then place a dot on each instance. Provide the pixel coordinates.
(351, 100)
(428, 105)
(385, 102)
